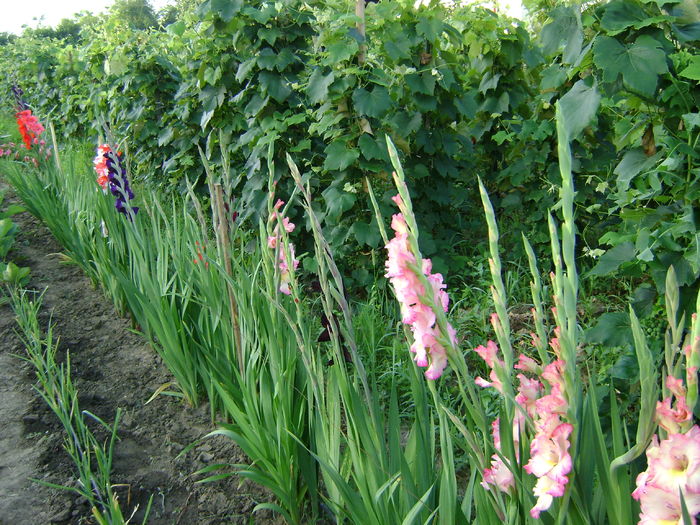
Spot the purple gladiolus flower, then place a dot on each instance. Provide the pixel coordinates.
(19, 101)
(118, 182)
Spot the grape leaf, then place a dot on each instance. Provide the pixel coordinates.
(621, 14)
(693, 70)
(317, 90)
(613, 258)
(226, 9)
(640, 63)
(339, 156)
(578, 107)
(612, 329)
(371, 103)
(429, 27)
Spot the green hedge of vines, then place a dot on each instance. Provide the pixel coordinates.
(463, 92)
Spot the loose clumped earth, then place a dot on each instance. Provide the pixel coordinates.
(112, 367)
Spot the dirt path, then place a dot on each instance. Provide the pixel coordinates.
(111, 367)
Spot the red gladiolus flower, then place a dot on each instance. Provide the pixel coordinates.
(29, 127)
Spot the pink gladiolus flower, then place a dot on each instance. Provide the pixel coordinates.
(415, 300)
(552, 373)
(528, 393)
(528, 364)
(499, 475)
(273, 241)
(495, 321)
(675, 386)
(674, 419)
(489, 354)
(673, 467)
(550, 462)
(671, 419)
(285, 277)
(288, 226)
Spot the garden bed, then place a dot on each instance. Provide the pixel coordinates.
(112, 368)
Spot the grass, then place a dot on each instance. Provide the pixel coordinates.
(91, 457)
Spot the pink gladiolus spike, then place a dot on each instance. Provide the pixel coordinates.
(550, 462)
(397, 200)
(416, 300)
(499, 475)
(284, 262)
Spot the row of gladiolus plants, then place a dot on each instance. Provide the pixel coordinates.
(229, 313)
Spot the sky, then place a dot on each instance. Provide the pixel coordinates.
(53, 11)
(30, 12)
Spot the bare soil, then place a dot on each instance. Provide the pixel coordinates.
(112, 367)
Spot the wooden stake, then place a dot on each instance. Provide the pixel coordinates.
(55, 148)
(360, 12)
